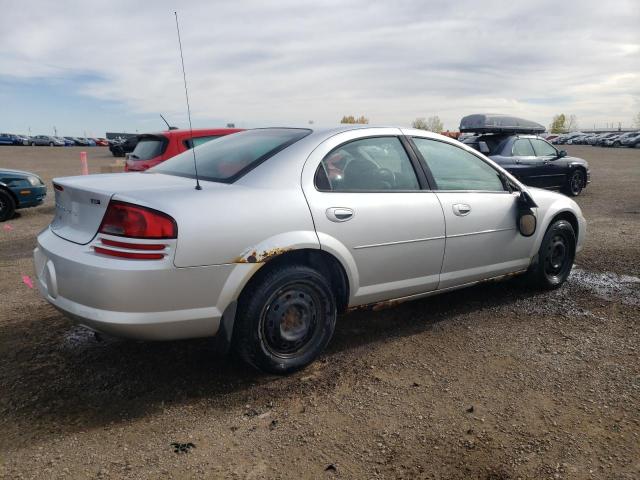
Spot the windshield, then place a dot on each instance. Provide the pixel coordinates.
(148, 148)
(230, 157)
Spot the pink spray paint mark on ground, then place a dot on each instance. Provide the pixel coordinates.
(27, 281)
(7, 227)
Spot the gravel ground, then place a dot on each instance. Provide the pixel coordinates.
(491, 382)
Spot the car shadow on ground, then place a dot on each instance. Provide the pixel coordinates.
(61, 376)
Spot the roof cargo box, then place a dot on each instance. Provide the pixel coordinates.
(493, 123)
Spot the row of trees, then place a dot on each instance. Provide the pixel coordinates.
(561, 124)
(433, 124)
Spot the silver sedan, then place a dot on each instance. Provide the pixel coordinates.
(288, 228)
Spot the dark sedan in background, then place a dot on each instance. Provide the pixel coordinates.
(514, 144)
(19, 189)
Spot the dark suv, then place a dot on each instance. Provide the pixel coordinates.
(513, 144)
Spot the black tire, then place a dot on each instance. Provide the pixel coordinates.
(616, 144)
(51, 144)
(7, 205)
(555, 257)
(576, 182)
(295, 294)
(33, 144)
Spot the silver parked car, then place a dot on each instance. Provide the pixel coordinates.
(49, 140)
(289, 228)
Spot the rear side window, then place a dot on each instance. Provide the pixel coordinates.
(522, 148)
(231, 156)
(456, 169)
(542, 148)
(148, 148)
(369, 164)
(199, 140)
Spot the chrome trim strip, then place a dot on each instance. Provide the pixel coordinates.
(400, 242)
(481, 232)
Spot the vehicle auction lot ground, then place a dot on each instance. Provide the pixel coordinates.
(493, 382)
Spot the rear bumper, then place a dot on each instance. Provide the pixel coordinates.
(141, 299)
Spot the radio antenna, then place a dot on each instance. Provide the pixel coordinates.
(186, 94)
(168, 126)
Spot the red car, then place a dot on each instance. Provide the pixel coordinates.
(155, 148)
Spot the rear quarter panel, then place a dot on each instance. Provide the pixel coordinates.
(224, 224)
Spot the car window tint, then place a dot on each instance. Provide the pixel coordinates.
(199, 140)
(542, 148)
(231, 156)
(522, 148)
(378, 164)
(148, 148)
(456, 169)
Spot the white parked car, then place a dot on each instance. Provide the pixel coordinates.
(291, 227)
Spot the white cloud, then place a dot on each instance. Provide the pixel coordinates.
(290, 62)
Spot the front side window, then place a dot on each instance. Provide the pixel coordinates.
(230, 157)
(542, 148)
(522, 148)
(368, 164)
(456, 169)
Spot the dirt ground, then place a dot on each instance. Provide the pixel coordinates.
(492, 382)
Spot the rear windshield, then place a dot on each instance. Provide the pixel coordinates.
(230, 157)
(148, 148)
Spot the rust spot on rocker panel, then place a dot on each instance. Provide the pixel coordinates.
(261, 257)
(376, 306)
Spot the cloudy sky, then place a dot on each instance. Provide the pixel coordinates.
(112, 66)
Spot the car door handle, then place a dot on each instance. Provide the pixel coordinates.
(339, 214)
(461, 209)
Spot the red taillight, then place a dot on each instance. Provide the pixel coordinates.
(128, 220)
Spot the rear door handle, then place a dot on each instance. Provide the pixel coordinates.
(461, 209)
(340, 214)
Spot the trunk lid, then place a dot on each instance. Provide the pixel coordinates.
(81, 202)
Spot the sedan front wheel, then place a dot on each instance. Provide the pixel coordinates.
(285, 320)
(555, 256)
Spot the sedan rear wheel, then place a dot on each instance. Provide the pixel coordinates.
(7, 206)
(285, 320)
(576, 183)
(555, 256)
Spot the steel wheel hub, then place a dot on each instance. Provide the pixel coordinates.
(290, 320)
(556, 255)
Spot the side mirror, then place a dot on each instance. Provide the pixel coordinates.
(562, 153)
(484, 148)
(526, 221)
